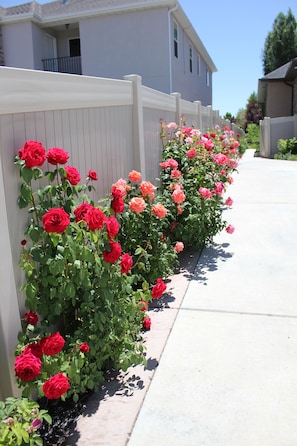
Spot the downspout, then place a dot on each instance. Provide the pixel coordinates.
(170, 47)
(292, 96)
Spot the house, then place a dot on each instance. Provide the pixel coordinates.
(277, 91)
(110, 39)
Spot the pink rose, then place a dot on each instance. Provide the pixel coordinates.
(147, 189)
(205, 193)
(229, 201)
(230, 229)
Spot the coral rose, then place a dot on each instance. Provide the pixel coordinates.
(159, 210)
(178, 196)
(179, 247)
(27, 366)
(33, 153)
(158, 289)
(55, 156)
(56, 386)
(53, 344)
(72, 175)
(137, 204)
(192, 153)
(147, 189)
(134, 176)
(114, 253)
(55, 220)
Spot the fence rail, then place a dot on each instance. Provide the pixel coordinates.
(111, 126)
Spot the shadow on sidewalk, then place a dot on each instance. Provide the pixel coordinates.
(208, 260)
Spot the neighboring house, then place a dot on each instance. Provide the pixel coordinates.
(277, 91)
(110, 38)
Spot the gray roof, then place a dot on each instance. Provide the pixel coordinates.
(69, 11)
(286, 72)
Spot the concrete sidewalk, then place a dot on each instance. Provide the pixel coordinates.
(228, 372)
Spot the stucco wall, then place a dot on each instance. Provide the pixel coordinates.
(17, 41)
(279, 100)
(134, 42)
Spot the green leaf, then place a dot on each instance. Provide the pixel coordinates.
(27, 174)
(34, 234)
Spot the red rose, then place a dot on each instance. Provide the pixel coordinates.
(56, 386)
(33, 153)
(92, 175)
(31, 317)
(57, 156)
(126, 263)
(53, 344)
(146, 322)
(114, 254)
(84, 347)
(95, 218)
(72, 175)
(55, 220)
(158, 289)
(112, 226)
(143, 305)
(27, 366)
(81, 211)
(36, 348)
(118, 205)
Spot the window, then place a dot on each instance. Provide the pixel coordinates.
(198, 64)
(191, 58)
(175, 40)
(74, 47)
(207, 77)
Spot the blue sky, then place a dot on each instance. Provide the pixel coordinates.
(233, 33)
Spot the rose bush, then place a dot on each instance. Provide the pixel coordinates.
(194, 196)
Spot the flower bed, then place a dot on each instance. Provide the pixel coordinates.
(91, 271)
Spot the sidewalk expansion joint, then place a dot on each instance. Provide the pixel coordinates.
(242, 313)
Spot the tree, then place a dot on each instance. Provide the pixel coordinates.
(253, 110)
(281, 43)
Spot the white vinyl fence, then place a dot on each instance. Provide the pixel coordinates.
(110, 126)
(273, 129)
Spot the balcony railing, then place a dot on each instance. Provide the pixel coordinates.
(71, 65)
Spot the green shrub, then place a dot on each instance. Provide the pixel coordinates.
(253, 136)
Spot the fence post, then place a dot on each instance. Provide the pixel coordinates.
(177, 108)
(209, 117)
(295, 126)
(138, 129)
(198, 114)
(10, 324)
(265, 135)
